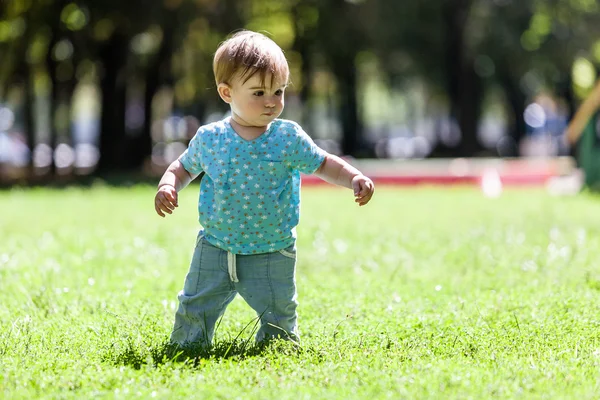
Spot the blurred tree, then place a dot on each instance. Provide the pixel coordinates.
(508, 60)
(37, 49)
(522, 47)
(434, 42)
(464, 86)
(532, 46)
(460, 49)
(146, 43)
(15, 68)
(305, 15)
(60, 63)
(210, 23)
(113, 25)
(341, 29)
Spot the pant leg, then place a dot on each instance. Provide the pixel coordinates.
(207, 291)
(267, 283)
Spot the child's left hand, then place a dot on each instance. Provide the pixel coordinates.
(363, 189)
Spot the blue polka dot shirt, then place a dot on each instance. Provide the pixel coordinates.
(249, 199)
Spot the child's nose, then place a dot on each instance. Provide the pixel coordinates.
(270, 101)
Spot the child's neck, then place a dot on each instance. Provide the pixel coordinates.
(246, 132)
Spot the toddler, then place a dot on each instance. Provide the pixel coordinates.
(249, 203)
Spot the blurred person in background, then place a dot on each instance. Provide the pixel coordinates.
(583, 133)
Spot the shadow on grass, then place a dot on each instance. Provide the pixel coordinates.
(136, 355)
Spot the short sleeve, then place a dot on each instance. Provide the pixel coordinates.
(192, 156)
(304, 155)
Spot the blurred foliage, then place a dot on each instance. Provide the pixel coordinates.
(460, 49)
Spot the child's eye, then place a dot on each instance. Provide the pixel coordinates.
(259, 93)
(279, 92)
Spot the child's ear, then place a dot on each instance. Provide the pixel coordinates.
(225, 92)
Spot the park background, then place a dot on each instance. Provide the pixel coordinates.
(98, 88)
(475, 291)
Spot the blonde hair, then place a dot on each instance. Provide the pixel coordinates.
(246, 53)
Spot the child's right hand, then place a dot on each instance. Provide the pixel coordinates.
(165, 200)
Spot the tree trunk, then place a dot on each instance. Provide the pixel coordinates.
(345, 71)
(51, 67)
(516, 101)
(24, 74)
(158, 72)
(113, 87)
(302, 47)
(464, 86)
(469, 111)
(28, 116)
(455, 17)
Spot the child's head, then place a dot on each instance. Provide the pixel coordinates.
(247, 53)
(251, 73)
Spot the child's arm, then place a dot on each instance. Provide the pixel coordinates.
(339, 172)
(583, 115)
(175, 178)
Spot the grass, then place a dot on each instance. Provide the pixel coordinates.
(424, 293)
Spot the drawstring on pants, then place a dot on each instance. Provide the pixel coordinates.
(231, 267)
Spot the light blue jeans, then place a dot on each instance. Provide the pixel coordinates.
(266, 282)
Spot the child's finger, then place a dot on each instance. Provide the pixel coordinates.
(364, 191)
(165, 201)
(165, 205)
(172, 197)
(358, 188)
(364, 201)
(365, 197)
(163, 210)
(158, 211)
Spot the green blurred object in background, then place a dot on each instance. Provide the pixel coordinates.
(588, 153)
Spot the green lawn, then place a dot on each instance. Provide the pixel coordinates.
(424, 293)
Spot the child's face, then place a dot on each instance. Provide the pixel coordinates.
(253, 103)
